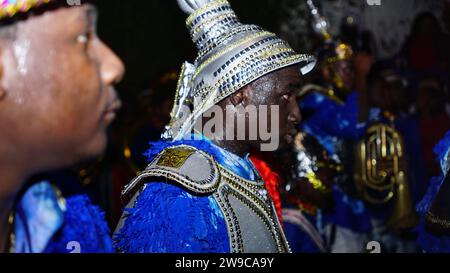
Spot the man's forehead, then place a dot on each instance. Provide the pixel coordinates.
(291, 74)
(14, 9)
(82, 12)
(84, 15)
(76, 16)
(56, 24)
(90, 10)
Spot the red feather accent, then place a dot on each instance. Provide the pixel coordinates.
(272, 181)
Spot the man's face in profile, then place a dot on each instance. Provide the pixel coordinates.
(57, 79)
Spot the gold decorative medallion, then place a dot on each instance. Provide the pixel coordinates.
(174, 157)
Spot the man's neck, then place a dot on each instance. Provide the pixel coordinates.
(239, 148)
(11, 180)
(234, 147)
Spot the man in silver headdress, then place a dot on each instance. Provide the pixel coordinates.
(205, 195)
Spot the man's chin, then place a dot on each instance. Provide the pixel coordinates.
(284, 144)
(94, 148)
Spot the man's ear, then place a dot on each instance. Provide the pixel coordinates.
(242, 96)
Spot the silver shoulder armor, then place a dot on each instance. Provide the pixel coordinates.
(184, 165)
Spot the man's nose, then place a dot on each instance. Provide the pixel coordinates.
(112, 68)
(294, 112)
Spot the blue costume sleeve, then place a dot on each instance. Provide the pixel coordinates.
(84, 225)
(429, 242)
(299, 241)
(167, 219)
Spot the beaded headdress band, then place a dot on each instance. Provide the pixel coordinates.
(231, 55)
(9, 8)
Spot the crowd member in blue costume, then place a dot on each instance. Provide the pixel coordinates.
(56, 101)
(330, 105)
(391, 188)
(354, 220)
(388, 101)
(200, 192)
(316, 210)
(330, 115)
(334, 123)
(434, 227)
(307, 194)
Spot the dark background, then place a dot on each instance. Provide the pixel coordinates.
(151, 37)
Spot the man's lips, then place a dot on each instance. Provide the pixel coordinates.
(112, 109)
(114, 106)
(290, 136)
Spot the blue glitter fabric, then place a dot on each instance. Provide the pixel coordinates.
(168, 219)
(442, 149)
(43, 224)
(428, 242)
(425, 205)
(84, 225)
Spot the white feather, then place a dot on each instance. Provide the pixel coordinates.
(190, 6)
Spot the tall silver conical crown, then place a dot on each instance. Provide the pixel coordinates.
(230, 56)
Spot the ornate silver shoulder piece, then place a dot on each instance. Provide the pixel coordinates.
(184, 165)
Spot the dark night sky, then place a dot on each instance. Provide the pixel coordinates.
(151, 38)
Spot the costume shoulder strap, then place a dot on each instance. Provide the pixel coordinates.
(184, 165)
